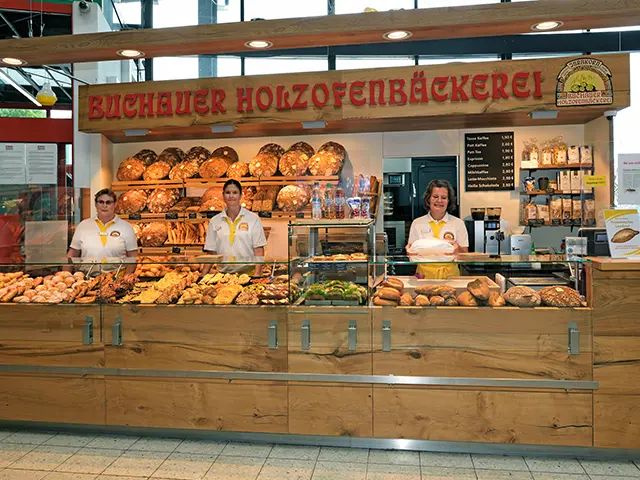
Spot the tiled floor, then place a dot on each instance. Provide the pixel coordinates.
(59, 456)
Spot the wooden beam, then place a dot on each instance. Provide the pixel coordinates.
(433, 23)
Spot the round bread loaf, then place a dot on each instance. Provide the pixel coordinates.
(130, 169)
(263, 165)
(522, 297)
(303, 147)
(247, 197)
(132, 201)
(561, 296)
(157, 171)
(292, 198)
(212, 193)
(162, 199)
(147, 156)
(215, 167)
(155, 234)
(325, 163)
(137, 230)
(199, 154)
(225, 151)
(213, 205)
(294, 163)
(335, 148)
(272, 149)
(185, 169)
(238, 170)
(171, 155)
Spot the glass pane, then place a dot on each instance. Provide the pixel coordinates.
(452, 3)
(229, 66)
(467, 59)
(173, 68)
(128, 13)
(530, 56)
(352, 63)
(283, 9)
(61, 113)
(263, 66)
(167, 13)
(358, 6)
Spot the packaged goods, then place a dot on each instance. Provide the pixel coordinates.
(530, 154)
(576, 181)
(567, 210)
(564, 181)
(573, 155)
(590, 212)
(547, 155)
(365, 211)
(130, 169)
(431, 246)
(355, 207)
(529, 184)
(530, 212)
(543, 214)
(555, 211)
(560, 152)
(586, 155)
(576, 214)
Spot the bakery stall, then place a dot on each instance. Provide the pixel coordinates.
(329, 346)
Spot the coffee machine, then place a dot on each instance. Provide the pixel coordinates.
(488, 236)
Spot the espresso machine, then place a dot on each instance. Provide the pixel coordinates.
(488, 234)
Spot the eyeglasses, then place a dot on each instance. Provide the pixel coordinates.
(105, 202)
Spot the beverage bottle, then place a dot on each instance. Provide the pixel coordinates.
(340, 202)
(328, 210)
(316, 202)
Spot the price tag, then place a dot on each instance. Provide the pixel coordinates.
(193, 215)
(210, 214)
(299, 214)
(264, 214)
(135, 216)
(175, 250)
(590, 181)
(170, 216)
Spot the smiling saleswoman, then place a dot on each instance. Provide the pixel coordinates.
(439, 202)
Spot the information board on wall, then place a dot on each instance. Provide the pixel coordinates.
(42, 163)
(13, 164)
(489, 161)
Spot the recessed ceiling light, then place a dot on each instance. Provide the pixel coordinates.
(397, 35)
(544, 26)
(259, 44)
(13, 61)
(130, 53)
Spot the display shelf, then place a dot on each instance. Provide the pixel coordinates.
(149, 217)
(121, 186)
(544, 192)
(262, 181)
(558, 167)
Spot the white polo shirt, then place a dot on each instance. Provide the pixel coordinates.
(453, 229)
(100, 242)
(235, 238)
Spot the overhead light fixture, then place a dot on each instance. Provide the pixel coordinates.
(14, 62)
(136, 132)
(544, 115)
(548, 25)
(312, 125)
(130, 53)
(259, 44)
(397, 35)
(223, 128)
(10, 81)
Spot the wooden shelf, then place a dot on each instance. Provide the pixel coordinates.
(121, 186)
(544, 192)
(559, 167)
(261, 182)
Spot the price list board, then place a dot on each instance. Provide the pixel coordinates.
(490, 163)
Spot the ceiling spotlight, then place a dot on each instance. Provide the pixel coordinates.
(130, 53)
(544, 26)
(13, 61)
(397, 35)
(259, 44)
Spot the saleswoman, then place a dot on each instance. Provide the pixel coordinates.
(105, 238)
(439, 201)
(235, 232)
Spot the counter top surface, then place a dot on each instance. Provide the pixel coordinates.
(608, 263)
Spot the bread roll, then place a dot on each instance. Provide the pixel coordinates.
(130, 169)
(436, 300)
(272, 149)
(303, 147)
(292, 198)
(147, 156)
(294, 163)
(335, 148)
(215, 167)
(199, 154)
(393, 283)
(263, 165)
(324, 163)
(496, 300)
(561, 296)
(406, 300)
(131, 202)
(450, 302)
(185, 169)
(154, 234)
(422, 301)
(238, 170)
(522, 297)
(162, 199)
(172, 156)
(157, 171)
(227, 152)
(389, 294)
(479, 289)
(382, 302)
(466, 299)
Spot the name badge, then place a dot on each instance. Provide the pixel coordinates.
(243, 226)
(103, 234)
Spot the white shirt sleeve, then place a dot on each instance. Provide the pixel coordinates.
(212, 239)
(257, 235)
(76, 241)
(130, 240)
(413, 233)
(463, 236)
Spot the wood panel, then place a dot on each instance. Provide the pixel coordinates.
(47, 323)
(198, 404)
(329, 347)
(481, 416)
(615, 306)
(432, 23)
(52, 398)
(608, 264)
(58, 354)
(616, 365)
(617, 421)
(334, 410)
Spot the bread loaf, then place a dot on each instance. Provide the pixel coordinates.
(292, 198)
(479, 289)
(422, 301)
(436, 300)
(212, 200)
(248, 194)
(389, 294)
(199, 154)
(406, 300)
(522, 297)
(303, 147)
(131, 202)
(325, 163)
(154, 234)
(382, 302)
(426, 289)
(238, 170)
(171, 155)
(450, 302)
(335, 148)
(212, 193)
(157, 171)
(496, 300)
(263, 165)
(227, 152)
(466, 299)
(440, 290)
(393, 283)
(560, 296)
(272, 149)
(147, 156)
(264, 199)
(130, 169)
(215, 167)
(162, 199)
(185, 169)
(294, 163)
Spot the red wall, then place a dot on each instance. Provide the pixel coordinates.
(37, 130)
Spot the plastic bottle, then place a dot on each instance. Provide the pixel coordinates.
(316, 202)
(328, 210)
(340, 202)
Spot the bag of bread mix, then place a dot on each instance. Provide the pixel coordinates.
(586, 155)
(555, 211)
(530, 213)
(577, 211)
(559, 151)
(543, 214)
(547, 153)
(530, 154)
(567, 211)
(573, 155)
(590, 212)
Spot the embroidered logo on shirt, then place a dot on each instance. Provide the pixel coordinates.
(115, 233)
(448, 236)
(243, 226)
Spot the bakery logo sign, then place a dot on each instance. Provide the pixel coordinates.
(419, 89)
(584, 82)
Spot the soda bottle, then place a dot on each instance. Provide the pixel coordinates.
(316, 202)
(328, 210)
(340, 202)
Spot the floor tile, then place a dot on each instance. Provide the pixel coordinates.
(69, 440)
(392, 472)
(247, 450)
(295, 452)
(339, 471)
(35, 438)
(441, 473)
(394, 457)
(69, 476)
(604, 467)
(235, 468)
(611, 477)
(201, 447)
(559, 476)
(137, 463)
(554, 465)
(117, 477)
(45, 457)
(347, 455)
(10, 474)
(150, 444)
(90, 460)
(11, 452)
(281, 469)
(117, 442)
(503, 475)
(451, 460)
(186, 466)
(499, 462)
(6, 433)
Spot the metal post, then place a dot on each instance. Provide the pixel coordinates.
(207, 14)
(147, 22)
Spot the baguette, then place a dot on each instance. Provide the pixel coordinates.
(381, 302)
(389, 294)
(394, 283)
